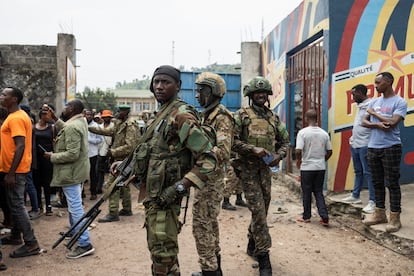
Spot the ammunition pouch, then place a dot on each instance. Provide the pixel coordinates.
(141, 157)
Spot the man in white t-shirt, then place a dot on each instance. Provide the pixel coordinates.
(313, 149)
(103, 158)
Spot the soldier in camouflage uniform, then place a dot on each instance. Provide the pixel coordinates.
(206, 206)
(174, 154)
(124, 134)
(258, 133)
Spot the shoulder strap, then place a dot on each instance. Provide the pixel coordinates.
(160, 116)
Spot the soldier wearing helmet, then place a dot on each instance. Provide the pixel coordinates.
(258, 135)
(206, 205)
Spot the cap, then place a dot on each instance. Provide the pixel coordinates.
(124, 107)
(106, 113)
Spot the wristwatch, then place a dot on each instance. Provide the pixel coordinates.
(179, 186)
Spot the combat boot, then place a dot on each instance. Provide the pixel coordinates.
(227, 205)
(395, 224)
(265, 268)
(251, 247)
(377, 217)
(240, 201)
(109, 218)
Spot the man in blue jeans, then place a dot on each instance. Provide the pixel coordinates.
(71, 167)
(359, 148)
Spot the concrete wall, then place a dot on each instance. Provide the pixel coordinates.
(250, 64)
(38, 70)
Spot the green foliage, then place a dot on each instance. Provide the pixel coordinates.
(142, 84)
(218, 68)
(97, 99)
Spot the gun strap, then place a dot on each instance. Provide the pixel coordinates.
(164, 112)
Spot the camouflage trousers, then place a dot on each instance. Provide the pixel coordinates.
(125, 193)
(163, 227)
(232, 184)
(206, 208)
(257, 184)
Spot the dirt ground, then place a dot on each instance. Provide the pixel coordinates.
(298, 249)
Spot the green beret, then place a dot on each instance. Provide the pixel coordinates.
(124, 107)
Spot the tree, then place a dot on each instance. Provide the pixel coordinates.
(97, 99)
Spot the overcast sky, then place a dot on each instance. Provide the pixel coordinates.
(126, 39)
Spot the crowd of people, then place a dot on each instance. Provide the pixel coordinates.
(215, 151)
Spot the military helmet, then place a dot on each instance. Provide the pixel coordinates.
(257, 84)
(214, 81)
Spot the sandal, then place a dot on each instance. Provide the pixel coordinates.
(3, 267)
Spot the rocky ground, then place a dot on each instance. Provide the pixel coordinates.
(344, 248)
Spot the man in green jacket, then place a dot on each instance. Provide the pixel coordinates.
(71, 167)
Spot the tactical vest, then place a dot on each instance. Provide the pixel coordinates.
(167, 163)
(261, 131)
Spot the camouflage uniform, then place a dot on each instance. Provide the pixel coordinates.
(173, 155)
(206, 204)
(124, 134)
(258, 126)
(177, 149)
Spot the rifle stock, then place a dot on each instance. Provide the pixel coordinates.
(124, 171)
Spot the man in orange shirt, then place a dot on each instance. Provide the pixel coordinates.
(16, 157)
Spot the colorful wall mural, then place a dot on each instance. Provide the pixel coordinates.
(361, 38)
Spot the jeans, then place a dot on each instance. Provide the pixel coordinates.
(31, 191)
(312, 182)
(75, 209)
(15, 199)
(362, 172)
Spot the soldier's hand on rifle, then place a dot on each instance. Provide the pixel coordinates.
(114, 166)
(168, 196)
(180, 188)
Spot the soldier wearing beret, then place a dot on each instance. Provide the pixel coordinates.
(124, 133)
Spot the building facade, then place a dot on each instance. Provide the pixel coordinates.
(319, 52)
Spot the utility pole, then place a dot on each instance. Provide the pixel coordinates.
(172, 54)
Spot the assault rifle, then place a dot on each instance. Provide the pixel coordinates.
(124, 170)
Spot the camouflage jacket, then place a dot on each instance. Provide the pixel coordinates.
(243, 120)
(124, 135)
(222, 121)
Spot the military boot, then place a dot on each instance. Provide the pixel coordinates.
(395, 224)
(109, 218)
(251, 247)
(377, 217)
(240, 201)
(265, 268)
(227, 205)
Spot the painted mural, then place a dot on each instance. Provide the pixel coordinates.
(361, 39)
